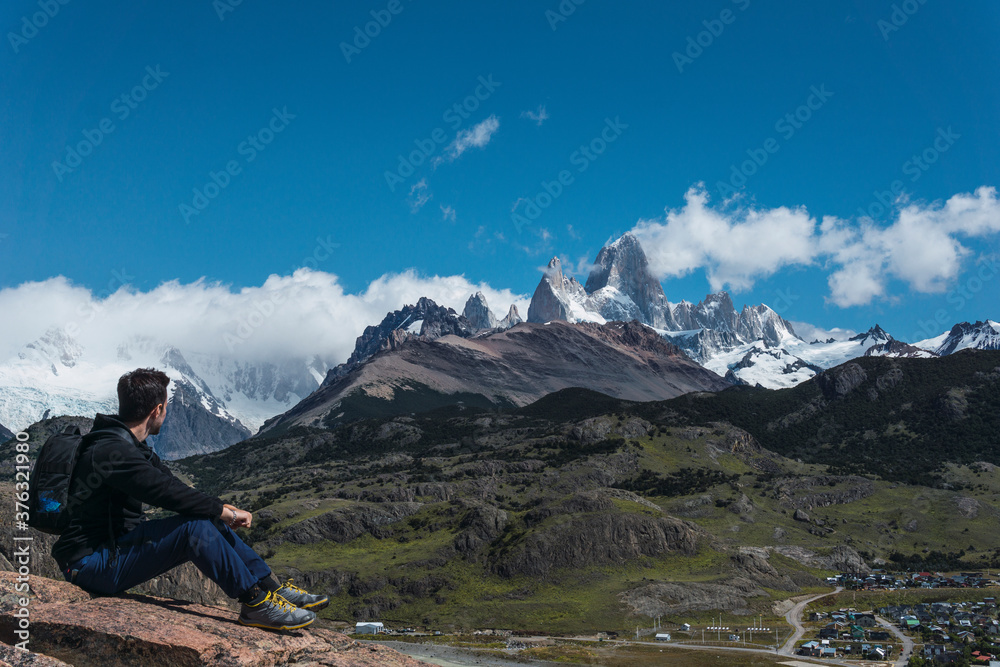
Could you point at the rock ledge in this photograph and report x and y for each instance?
(68, 625)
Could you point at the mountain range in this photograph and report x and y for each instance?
(754, 346)
(415, 358)
(504, 368)
(214, 401)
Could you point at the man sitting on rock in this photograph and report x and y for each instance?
(108, 547)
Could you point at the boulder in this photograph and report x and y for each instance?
(68, 624)
(15, 657)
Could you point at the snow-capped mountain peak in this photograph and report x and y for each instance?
(873, 336)
(963, 336)
(223, 399)
(55, 349)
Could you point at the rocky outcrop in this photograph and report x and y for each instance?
(479, 527)
(662, 598)
(478, 313)
(597, 539)
(841, 558)
(751, 563)
(842, 380)
(596, 429)
(15, 657)
(968, 508)
(344, 525)
(158, 632)
(743, 507)
(747, 449)
(822, 491)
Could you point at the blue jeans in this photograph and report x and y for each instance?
(153, 547)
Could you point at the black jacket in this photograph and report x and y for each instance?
(112, 479)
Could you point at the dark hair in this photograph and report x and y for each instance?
(139, 392)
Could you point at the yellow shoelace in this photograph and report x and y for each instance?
(281, 602)
(288, 584)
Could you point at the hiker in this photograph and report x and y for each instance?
(108, 547)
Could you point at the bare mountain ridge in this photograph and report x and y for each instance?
(425, 319)
(506, 368)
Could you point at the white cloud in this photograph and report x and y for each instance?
(539, 116)
(447, 213)
(809, 332)
(735, 249)
(921, 247)
(419, 195)
(305, 314)
(476, 137)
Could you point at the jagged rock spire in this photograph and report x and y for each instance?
(478, 313)
(553, 298)
(622, 266)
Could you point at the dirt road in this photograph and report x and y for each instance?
(794, 618)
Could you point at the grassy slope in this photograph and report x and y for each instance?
(586, 600)
(334, 469)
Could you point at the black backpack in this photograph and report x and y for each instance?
(49, 484)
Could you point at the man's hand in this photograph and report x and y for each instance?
(236, 518)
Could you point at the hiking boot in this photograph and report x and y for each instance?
(301, 598)
(275, 613)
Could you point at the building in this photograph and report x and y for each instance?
(370, 628)
(662, 636)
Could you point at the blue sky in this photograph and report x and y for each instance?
(833, 100)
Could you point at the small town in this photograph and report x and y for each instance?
(942, 632)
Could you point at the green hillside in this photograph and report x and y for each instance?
(900, 419)
(583, 512)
